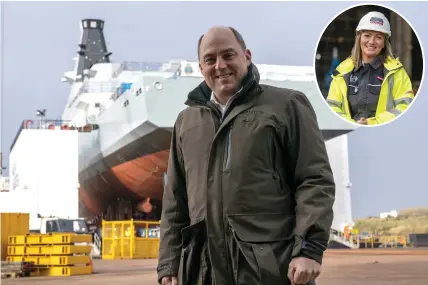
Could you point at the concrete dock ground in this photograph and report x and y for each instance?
(350, 267)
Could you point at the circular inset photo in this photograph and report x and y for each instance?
(369, 64)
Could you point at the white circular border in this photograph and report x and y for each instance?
(423, 64)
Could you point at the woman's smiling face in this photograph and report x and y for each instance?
(371, 44)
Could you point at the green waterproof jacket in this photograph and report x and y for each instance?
(395, 96)
(245, 191)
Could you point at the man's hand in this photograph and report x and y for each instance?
(168, 280)
(362, 121)
(302, 270)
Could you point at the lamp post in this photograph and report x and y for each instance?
(42, 114)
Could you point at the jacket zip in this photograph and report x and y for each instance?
(390, 73)
(220, 116)
(276, 175)
(228, 148)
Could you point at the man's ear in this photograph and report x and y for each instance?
(248, 56)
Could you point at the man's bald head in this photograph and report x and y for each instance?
(223, 60)
(235, 33)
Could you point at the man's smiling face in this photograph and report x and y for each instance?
(222, 61)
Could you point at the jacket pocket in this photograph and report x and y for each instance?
(256, 236)
(263, 227)
(193, 260)
(374, 89)
(259, 266)
(263, 244)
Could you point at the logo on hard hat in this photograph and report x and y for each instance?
(376, 21)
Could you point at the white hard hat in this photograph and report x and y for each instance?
(374, 21)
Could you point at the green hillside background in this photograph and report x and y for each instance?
(412, 220)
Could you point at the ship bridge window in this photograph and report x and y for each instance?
(85, 24)
(93, 24)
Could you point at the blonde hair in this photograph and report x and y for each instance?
(356, 50)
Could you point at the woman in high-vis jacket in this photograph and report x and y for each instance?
(371, 87)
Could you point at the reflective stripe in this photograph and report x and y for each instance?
(335, 103)
(395, 112)
(390, 103)
(403, 101)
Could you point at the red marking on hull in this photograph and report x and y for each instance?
(135, 180)
(143, 175)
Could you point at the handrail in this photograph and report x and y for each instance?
(41, 124)
(98, 86)
(141, 66)
(265, 70)
(183, 68)
(350, 242)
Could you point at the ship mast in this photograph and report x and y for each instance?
(92, 47)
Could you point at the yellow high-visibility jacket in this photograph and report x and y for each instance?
(395, 96)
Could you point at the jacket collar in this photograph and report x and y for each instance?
(202, 93)
(375, 63)
(347, 66)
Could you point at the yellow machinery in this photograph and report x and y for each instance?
(53, 254)
(12, 224)
(130, 239)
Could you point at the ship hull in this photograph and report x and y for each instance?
(136, 179)
(132, 181)
(125, 158)
(132, 173)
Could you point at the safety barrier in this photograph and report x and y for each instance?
(130, 239)
(384, 241)
(352, 240)
(346, 241)
(53, 254)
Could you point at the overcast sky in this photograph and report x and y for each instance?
(388, 164)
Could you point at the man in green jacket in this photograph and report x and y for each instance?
(249, 192)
